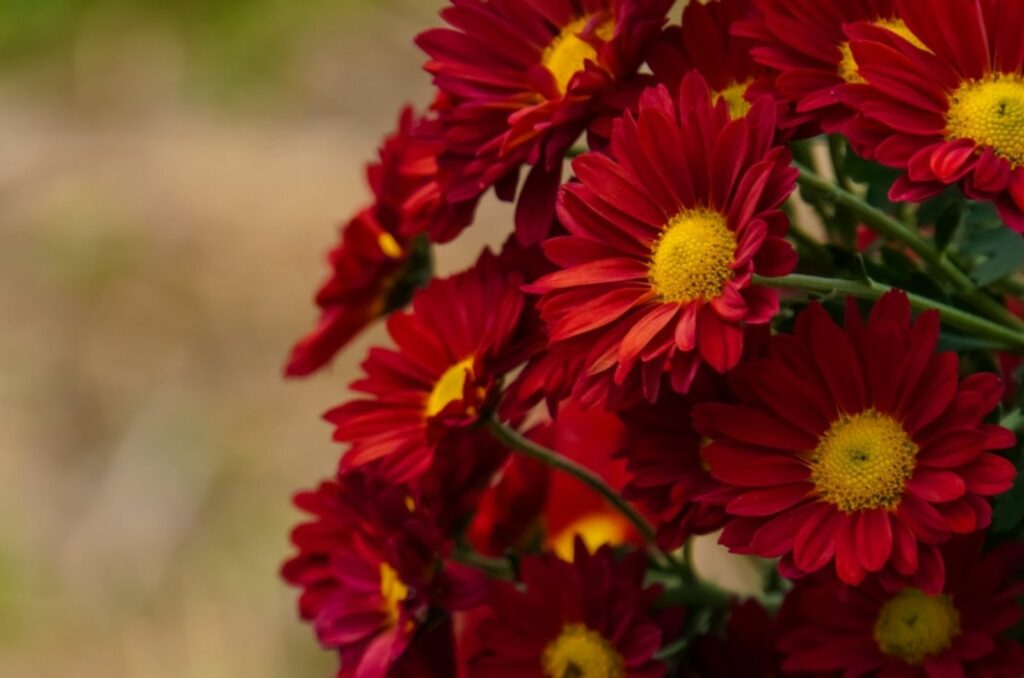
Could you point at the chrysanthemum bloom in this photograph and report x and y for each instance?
(459, 337)
(959, 631)
(953, 114)
(523, 80)
(372, 266)
(668, 474)
(664, 239)
(703, 42)
(370, 567)
(859, 447)
(804, 43)
(591, 617)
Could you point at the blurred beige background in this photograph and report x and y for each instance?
(171, 175)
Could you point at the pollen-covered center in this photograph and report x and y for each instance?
(568, 53)
(580, 652)
(848, 69)
(990, 112)
(692, 260)
(393, 591)
(389, 246)
(914, 626)
(450, 387)
(735, 98)
(863, 462)
(595, 529)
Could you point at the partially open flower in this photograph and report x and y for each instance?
(375, 267)
(860, 448)
(665, 237)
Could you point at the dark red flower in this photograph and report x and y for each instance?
(590, 617)
(372, 265)
(804, 43)
(704, 43)
(746, 648)
(952, 113)
(869, 630)
(461, 335)
(669, 477)
(523, 79)
(371, 566)
(859, 447)
(665, 237)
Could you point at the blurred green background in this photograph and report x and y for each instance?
(171, 175)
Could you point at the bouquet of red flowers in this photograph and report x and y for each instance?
(763, 282)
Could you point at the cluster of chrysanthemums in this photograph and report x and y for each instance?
(676, 341)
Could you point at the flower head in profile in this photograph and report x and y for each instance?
(804, 44)
(871, 630)
(460, 336)
(861, 449)
(668, 476)
(371, 564)
(665, 235)
(949, 108)
(588, 617)
(376, 265)
(522, 79)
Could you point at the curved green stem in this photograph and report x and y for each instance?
(897, 230)
(518, 442)
(955, 317)
(496, 568)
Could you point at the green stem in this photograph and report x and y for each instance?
(952, 316)
(496, 568)
(516, 441)
(895, 229)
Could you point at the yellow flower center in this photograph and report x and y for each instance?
(692, 260)
(450, 387)
(393, 591)
(863, 462)
(596, 529)
(389, 246)
(580, 652)
(990, 112)
(914, 625)
(848, 69)
(734, 98)
(567, 54)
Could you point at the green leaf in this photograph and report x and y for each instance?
(1000, 251)
(948, 223)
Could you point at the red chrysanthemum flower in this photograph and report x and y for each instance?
(860, 447)
(460, 336)
(703, 42)
(908, 633)
(664, 239)
(530, 505)
(523, 79)
(804, 43)
(371, 565)
(372, 265)
(590, 617)
(669, 478)
(952, 113)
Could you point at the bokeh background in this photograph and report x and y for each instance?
(171, 175)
